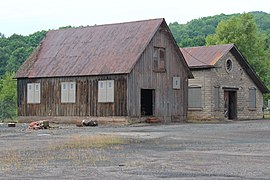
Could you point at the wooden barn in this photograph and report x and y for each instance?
(224, 86)
(123, 71)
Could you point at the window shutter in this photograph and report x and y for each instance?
(72, 92)
(110, 91)
(161, 59)
(252, 98)
(216, 98)
(64, 92)
(30, 93)
(194, 97)
(37, 93)
(102, 86)
(155, 57)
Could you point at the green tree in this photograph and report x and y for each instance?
(8, 96)
(34, 39)
(242, 31)
(17, 57)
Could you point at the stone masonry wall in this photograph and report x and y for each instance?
(208, 79)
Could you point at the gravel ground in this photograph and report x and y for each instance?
(234, 150)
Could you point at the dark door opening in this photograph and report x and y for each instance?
(147, 102)
(230, 104)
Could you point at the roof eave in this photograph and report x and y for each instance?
(249, 70)
(202, 67)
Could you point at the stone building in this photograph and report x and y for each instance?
(224, 86)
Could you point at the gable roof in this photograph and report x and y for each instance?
(93, 50)
(205, 56)
(208, 56)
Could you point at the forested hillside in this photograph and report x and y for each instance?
(194, 32)
(250, 32)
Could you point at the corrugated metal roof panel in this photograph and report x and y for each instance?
(95, 50)
(205, 55)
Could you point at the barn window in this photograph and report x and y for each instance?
(106, 91)
(68, 92)
(176, 82)
(194, 97)
(159, 59)
(33, 93)
(216, 97)
(252, 98)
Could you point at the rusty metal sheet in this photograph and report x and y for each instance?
(93, 50)
(205, 55)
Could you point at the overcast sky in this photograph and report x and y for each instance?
(28, 16)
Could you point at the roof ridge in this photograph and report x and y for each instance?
(109, 24)
(230, 44)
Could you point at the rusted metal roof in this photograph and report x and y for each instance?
(94, 50)
(207, 56)
(203, 56)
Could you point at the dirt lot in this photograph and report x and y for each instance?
(235, 150)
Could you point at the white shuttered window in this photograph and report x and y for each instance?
(33, 93)
(72, 92)
(68, 92)
(102, 91)
(110, 91)
(106, 91)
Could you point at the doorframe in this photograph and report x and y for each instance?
(230, 111)
(153, 101)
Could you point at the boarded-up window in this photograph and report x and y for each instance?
(216, 97)
(106, 91)
(159, 57)
(68, 92)
(33, 93)
(252, 98)
(155, 57)
(194, 97)
(176, 82)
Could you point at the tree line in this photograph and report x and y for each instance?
(250, 32)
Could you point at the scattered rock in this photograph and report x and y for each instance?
(86, 123)
(44, 124)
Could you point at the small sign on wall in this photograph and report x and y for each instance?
(176, 83)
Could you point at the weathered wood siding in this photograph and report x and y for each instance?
(86, 97)
(170, 104)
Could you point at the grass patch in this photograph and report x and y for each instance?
(81, 150)
(96, 141)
